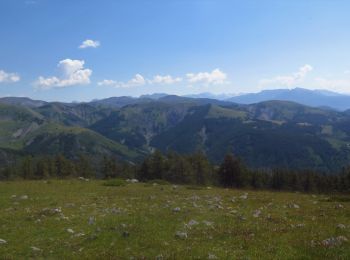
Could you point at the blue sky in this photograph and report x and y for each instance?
(179, 47)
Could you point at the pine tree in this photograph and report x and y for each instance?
(231, 172)
(201, 168)
(42, 169)
(84, 168)
(27, 168)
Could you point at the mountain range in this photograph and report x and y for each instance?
(315, 98)
(272, 133)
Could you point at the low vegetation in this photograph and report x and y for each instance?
(85, 219)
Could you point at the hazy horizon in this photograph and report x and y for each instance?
(81, 51)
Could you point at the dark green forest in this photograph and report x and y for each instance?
(194, 169)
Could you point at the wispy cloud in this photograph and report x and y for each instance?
(167, 79)
(89, 44)
(136, 81)
(72, 73)
(139, 80)
(287, 80)
(9, 77)
(214, 77)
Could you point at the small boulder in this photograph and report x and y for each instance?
(181, 235)
(36, 249)
(91, 220)
(24, 197)
(192, 222)
(212, 256)
(256, 213)
(341, 226)
(177, 209)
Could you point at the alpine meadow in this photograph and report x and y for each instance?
(184, 129)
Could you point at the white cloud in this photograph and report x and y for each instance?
(73, 73)
(8, 77)
(89, 44)
(107, 82)
(208, 78)
(139, 80)
(167, 79)
(214, 77)
(136, 81)
(288, 80)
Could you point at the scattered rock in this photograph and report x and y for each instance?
(83, 179)
(2, 241)
(192, 223)
(125, 234)
(177, 209)
(50, 212)
(256, 213)
(341, 226)
(244, 196)
(69, 230)
(334, 241)
(132, 180)
(181, 235)
(212, 256)
(34, 248)
(116, 210)
(339, 206)
(293, 205)
(159, 257)
(24, 197)
(91, 220)
(207, 223)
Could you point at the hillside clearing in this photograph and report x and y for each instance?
(87, 219)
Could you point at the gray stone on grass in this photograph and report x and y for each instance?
(341, 226)
(91, 220)
(181, 235)
(192, 222)
(24, 197)
(212, 256)
(334, 241)
(256, 213)
(36, 249)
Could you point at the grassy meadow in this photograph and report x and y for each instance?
(76, 219)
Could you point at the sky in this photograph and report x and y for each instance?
(64, 50)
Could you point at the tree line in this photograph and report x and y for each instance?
(194, 169)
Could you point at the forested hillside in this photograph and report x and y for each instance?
(264, 135)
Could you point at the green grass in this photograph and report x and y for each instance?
(138, 220)
(115, 183)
